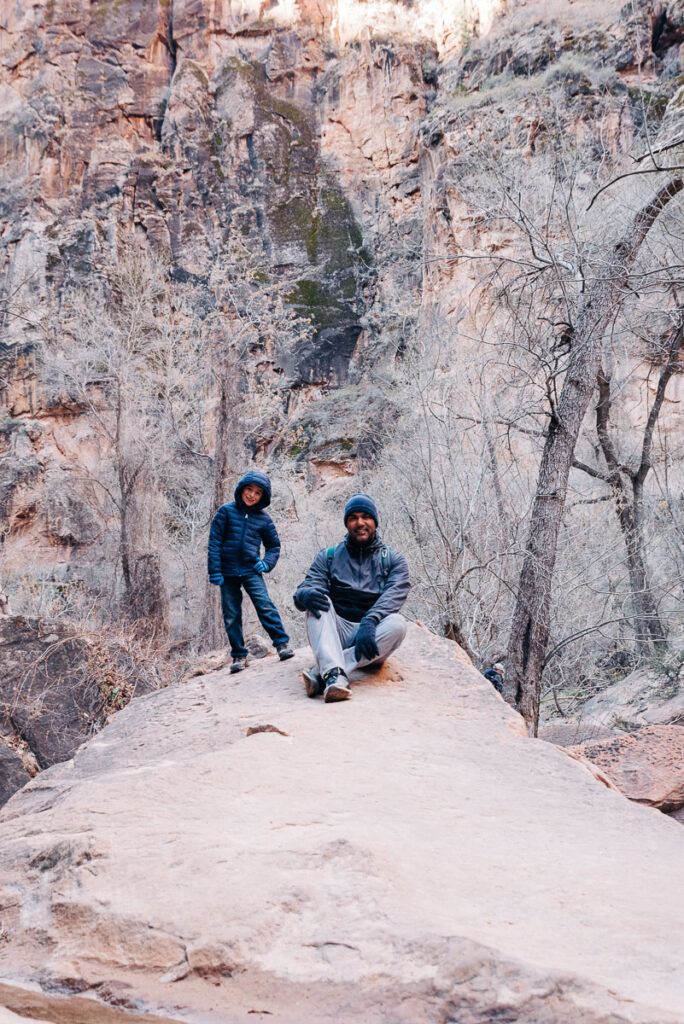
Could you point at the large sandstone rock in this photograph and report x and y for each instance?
(647, 766)
(228, 847)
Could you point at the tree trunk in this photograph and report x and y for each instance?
(453, 631)
(125, 542)
(648, 628)
(228, 437)
(149, 603)
(530, 625)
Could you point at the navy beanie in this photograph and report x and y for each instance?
(361, 503)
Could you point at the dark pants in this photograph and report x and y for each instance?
(231, 605)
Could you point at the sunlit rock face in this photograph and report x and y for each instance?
(445, 23)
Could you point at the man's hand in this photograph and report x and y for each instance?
(261, 566)
(314, 601)
(216, 578)
(365, 646)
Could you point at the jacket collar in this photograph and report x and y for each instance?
(357, 549)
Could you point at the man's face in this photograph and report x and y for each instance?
(252, 494)
(361, 527)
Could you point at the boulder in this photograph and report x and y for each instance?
(47, 694)
(69, 519)
(318, 432)
(13, 774)
(647, 766)
(58, 684)
(642, 698)
(229, 848)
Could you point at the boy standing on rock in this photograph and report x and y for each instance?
(234, 562)
(351, 595)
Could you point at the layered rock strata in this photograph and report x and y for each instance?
(323, 133)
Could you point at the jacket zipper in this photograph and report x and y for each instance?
(242, 535)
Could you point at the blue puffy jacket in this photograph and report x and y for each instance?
(238, 531)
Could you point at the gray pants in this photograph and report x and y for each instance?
(332, 640)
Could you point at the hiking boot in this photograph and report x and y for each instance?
(284, 652)
(238, 665)
(336, 686)
(313, 681)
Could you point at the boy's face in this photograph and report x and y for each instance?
(252, 494)
(361, 527)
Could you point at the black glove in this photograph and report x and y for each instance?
(311, 600)
(365, 645)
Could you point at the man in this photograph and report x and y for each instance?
(351, 596)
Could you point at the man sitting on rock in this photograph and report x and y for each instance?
(351, 595)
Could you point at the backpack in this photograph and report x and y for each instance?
(385, 564)
(495, 679)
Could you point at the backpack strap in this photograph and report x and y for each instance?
(330, 554)
(385, 564)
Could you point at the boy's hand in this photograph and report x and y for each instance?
(261, 566)
(311, 600)
(216, 578)
(365, 645)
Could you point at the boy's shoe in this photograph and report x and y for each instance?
(313, 681)
(238, 664)
(336, 686)
(284, 652)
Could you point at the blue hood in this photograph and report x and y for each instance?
(261, 480)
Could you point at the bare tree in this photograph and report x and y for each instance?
(530, 625)
(549, 288)
(127, 361)
(627, 482)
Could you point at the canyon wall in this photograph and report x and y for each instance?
(326, 137)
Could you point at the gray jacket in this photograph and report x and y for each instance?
(354, 580)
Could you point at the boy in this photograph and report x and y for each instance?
(234, 561)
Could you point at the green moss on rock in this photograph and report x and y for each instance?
(312, 300)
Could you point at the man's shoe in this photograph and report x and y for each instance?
(336, 686)
(284, 652)
(313, 681)
(238, 664)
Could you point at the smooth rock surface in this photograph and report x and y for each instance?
(228, 847)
